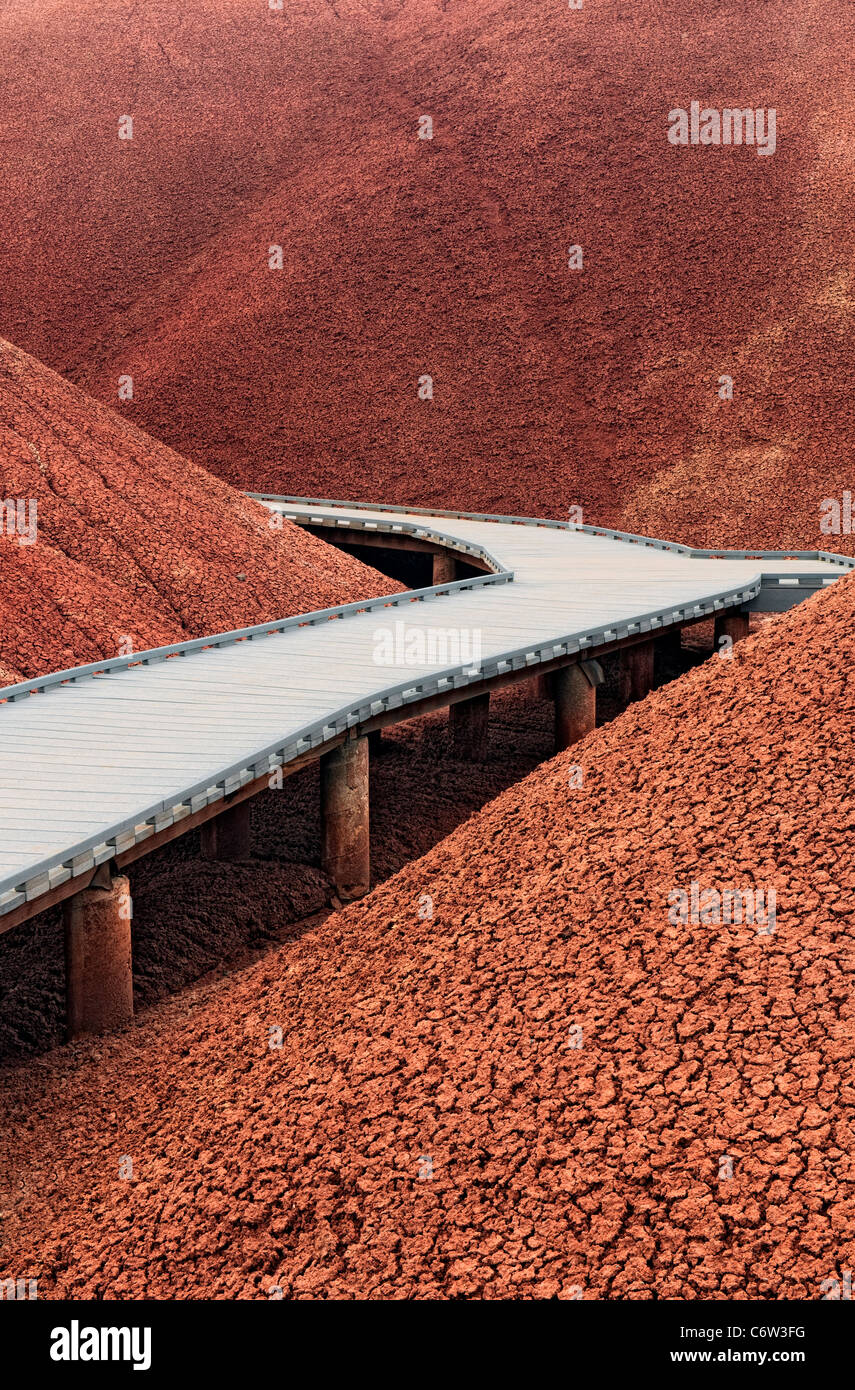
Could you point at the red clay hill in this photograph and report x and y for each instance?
(405, 258)
(543, 1086)
(134, 546)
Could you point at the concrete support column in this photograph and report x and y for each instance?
(444, 568)
(732, 625)
(470, 722)
(574, 689)
(227, 835)
(345, 842)
(636, 673)
(98, 979)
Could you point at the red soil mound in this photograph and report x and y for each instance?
(405, 257)
(547, 1088)
(134, 546)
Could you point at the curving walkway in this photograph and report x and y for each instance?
(103, 761)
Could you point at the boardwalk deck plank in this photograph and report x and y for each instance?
(104, 751)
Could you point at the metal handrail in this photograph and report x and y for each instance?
(831, 556)
(500, 575)
(231, 778)
(103, 845)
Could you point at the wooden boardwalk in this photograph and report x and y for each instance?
(102, 759)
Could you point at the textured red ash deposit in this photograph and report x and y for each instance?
(136, 546)
(555, 1168)
(449, 257)
(416, 1045)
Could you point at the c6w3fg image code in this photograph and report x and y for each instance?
(666, 1340)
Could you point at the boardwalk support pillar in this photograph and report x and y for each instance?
(227, 835)
(734, 626)
(345, 848)
(636, 671)
(444, 568)
(574, 689)
(470, 722)
(98, 976)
